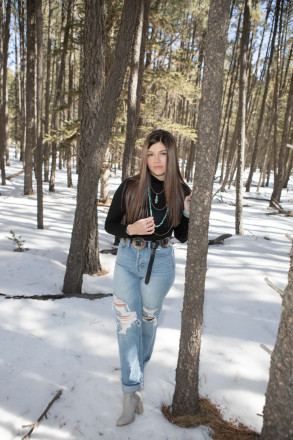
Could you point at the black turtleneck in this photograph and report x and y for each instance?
(158, 205)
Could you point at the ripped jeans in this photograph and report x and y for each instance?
(138, 305)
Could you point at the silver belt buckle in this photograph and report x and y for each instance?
(138, 243)
(165, 242)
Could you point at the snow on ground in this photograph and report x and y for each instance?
(71, 344)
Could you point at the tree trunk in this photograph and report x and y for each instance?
(96, 125)
(47, 94)
(80, 104)
(280, 175)
(92, 264)
(4, 98)
(39, 152)
(264, 98)
(104, 177)
(267, 148)
(186, 399)
(58, 91)
(232, 150)
(288, 168)
(278, 409)
(30, 99)
(22, 79)
(16, 91)
(242, 105)
(134, 87)
(190, 162)
(254, 97)
(253, 79)
(92, 259)
(70, 116)
(228, 154)
(231, 77)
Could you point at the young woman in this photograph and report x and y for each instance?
(145, 211)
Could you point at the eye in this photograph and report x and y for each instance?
(150, 154)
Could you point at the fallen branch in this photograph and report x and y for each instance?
(14, 175)
(281, 211)
(104, 202)
(275, 204)
(243, 206)
(217, 192)
(256, 198)
(35, 425)
(275, 288)
(89, 296)
(220, 239)
(112, 251)
(266, 349)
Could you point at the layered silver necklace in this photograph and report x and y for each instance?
(157, 194)
(156, 200)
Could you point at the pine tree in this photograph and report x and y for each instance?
(186, 398)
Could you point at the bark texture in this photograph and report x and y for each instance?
(242, 106)
(186, 399)
(58, 91)
(134, 88)
(264, 99)
(47, 94)
(95, 139)
(21, 25)
(39, 151)
(5, 23)
(30, 99)
(278, 410)
(281, 174)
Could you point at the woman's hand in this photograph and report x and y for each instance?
(187, 203)
(144, 226)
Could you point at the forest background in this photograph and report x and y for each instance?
(170, 91)
(82, 84)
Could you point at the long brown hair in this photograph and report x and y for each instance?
(136, 188)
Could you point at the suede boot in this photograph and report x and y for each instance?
(132, 403)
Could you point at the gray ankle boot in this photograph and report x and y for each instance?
(132, 403)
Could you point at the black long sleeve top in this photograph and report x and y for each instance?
(117, 210)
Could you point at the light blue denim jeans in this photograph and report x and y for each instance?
(138, 305)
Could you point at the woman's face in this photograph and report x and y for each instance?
(157, 160)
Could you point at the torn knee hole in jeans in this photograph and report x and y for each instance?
(125, 318)
(148, 315)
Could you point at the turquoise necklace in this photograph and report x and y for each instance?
(151, 211)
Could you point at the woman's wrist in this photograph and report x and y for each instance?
(185, 213)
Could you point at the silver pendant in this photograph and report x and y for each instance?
(156, 199)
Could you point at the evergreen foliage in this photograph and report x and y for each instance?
(172, 79)
(18, 242)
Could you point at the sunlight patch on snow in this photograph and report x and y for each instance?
(11, 427)
(52, 433)
(235, 358)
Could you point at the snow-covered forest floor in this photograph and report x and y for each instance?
(70, 344)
